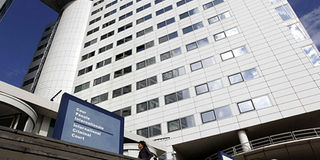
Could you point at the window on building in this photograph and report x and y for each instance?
(227, 33)
(110, 13)
(123, 112)
(173, 73)
(145, 46)
(182, 2)
(144, 32)
(103, 63)
(236, 78)
(192, 27)
(147, 105)
(164, 10)
(150, 131)
(158, 1)
(250, 74)
(166, 22)
(170, 54)
(234, 53)
(126, 5)
(254, 104)
(211, 4)
(107, 35)
(99, 98)
(85, 70)
(87, 44)
(111, 3)
(189, 13)
(27, 82)
(219, 17)
(98, 2)
(143, 19)
(197, 44)
(223, 112)
(95, 20)
(296, 31)
(208, 116)
(147, 82)
(33, 69)
(101, 79)
(121, 91)
(261, 102)
(177, 96)
(285, 12)
(122, 72)
(182, 123)
(168, 37)
(146, 63)
(37, 57)
(312, 55)
(105, 48)
(81, 87)
(96, 11)
(204, 63)
(93, 31)
(124, 55)
(124, 40)
(125, 16)
(143, 7)
(109, 23)
(87, 56)
(210, 86)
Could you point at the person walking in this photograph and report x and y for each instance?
(144, 152)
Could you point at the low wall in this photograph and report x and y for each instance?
(18, 145)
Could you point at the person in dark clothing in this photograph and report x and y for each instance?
(144, 153)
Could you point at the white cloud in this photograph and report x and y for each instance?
(311, 22)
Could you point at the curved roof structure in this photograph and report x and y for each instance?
(56, 5)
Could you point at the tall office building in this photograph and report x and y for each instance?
(196, 75)
(4, 6)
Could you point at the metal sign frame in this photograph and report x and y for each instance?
(62, 113)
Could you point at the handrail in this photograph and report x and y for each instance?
(270, 140)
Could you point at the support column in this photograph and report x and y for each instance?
(29, 125)
(244, 140)
(60, 67)
(44, 126)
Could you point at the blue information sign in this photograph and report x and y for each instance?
(224, 156)
(85, 124)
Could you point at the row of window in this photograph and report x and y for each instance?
(179, 3)
(168, 8)
(185, 30)
(208, 116)
(204, 63)
(180, 95)
(178, 124)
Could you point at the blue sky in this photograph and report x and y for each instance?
(22, 26)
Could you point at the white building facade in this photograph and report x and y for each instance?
(181, 71)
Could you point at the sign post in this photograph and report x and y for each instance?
(85, 124)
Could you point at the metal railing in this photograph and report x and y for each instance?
(270, 140)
